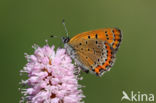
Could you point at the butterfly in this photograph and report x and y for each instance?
(94, 51)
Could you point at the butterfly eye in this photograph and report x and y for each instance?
(65, 39)
(88, 37)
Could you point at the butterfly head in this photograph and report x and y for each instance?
(65, 39)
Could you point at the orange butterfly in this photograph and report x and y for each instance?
(94, 50)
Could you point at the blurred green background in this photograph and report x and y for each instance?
(25, 22)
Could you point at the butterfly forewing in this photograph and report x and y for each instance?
(112, 35)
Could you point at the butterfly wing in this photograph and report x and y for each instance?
(112, 35)
(97, 55)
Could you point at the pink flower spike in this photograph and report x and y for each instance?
(51, 78)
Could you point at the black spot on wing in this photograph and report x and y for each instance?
(96, 36)
(98, 60)
(86, 42)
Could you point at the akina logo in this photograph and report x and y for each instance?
(137, 97)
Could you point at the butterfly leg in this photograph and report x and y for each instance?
(78, 69)
(87, 71)
(84, 70)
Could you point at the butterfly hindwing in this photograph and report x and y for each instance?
(97, 55)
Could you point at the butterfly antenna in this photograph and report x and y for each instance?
(53, 36)
(63, 22)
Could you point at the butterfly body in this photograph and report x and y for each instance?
(95, 50)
